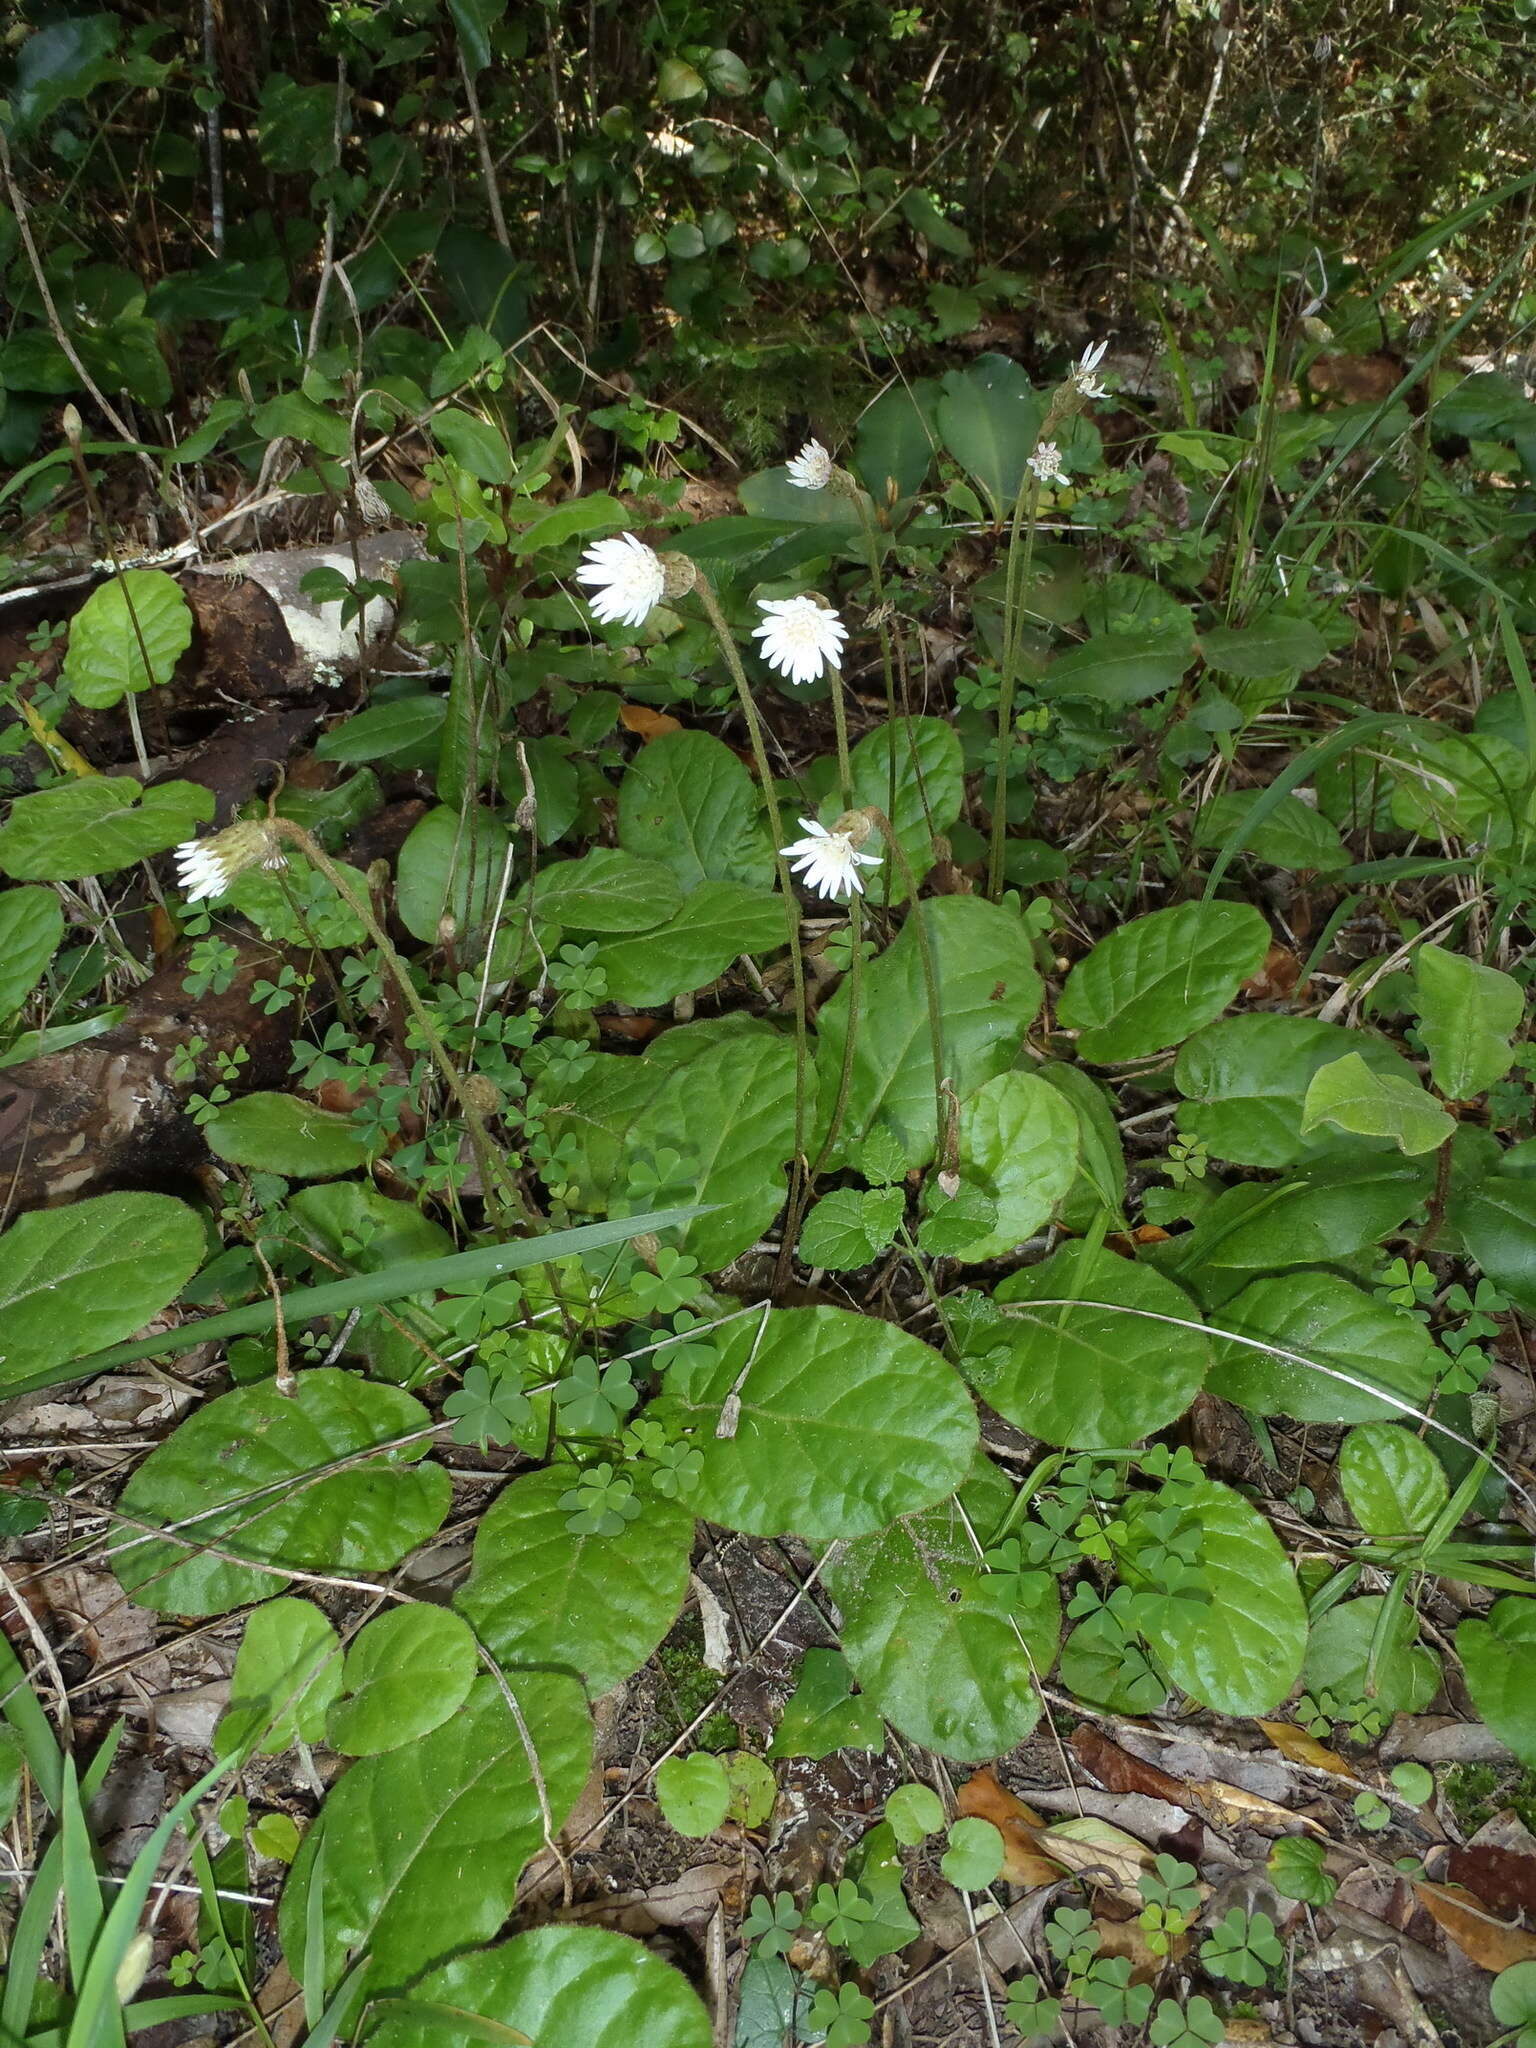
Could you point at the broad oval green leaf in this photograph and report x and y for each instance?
(251, 1474)
(1154, 981)
(593, 1605)
(608, 890)
(555, 1985)
(1274, 644)
(942, 1645)
(287, 1672)
(730, 1116)
(96, 825)
(694, 1793)
(401, 726)
(1019, 1138)
(989, 419)
(424, 1846)
(1289, 834)
(1087, 1376)
(74, 1280)
(1451, 786)
(989, 993)
(897, 440)
(1394, 1483)
(1350, 1095)
(1312, 1218)
(475, 444)
(285, 1134)
(1468, 1013)
(1499, 1657)
(1241, 1653)
(452, 865)
(1346, 1659)
(929, 772)
(127, 635)
(406, 1671)
(687, 801)
(1245, 1079)
(31, 926)
(718, 922)
(1117, 668)
(1496, 1217)
(844, 1423)
(1324, 1317)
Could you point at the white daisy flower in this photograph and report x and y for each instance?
(801, 637)
(828, 862)
(206, 868)
(626, 579)
(1083, 373)
(811, 469)
(199, 870)
(1046, 464)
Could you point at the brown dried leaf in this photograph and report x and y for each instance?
(1105, 1855)
(1499, 1878)
(649, 724)
(1023, 1863)
(1302, 1748)
(1118, 1771)
(1233, 1808)
(1491, 1944)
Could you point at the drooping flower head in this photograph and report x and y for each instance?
(828, 862)
(206, 868)
(801, 637)
(811, 469)
(1046, 464)
(1084, 371)
(626, 578)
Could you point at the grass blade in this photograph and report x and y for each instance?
(338, 1297)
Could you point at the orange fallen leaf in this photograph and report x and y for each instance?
(1302, 1748)
(1490, 1943)
(985, 1799)
(649, 724)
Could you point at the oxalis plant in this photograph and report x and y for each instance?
(862, 1251)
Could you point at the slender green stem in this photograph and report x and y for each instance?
(930, 978)
(494, 1178)
(1016, 582)
(850, 1040)
(754, 726)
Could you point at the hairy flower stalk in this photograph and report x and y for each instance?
(1042, 466)
(212, 864)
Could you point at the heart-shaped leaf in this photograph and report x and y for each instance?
(248, 1475)
(74, 1280)
(1157, 979)
(596, 1605)
(555, 1984)
(1087, 1375)
(1240, 1651)
(843, 1423)
(939, 1643)
(424, 1847)
(406, 1671)
(127, 635)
